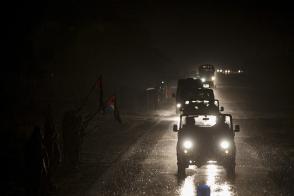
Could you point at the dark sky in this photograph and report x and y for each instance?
(222, 34)
(186, 33)
(146, 41)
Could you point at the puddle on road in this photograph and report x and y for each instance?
(212, 175)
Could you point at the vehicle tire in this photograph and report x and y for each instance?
(181, 166)
(181, 169)
(230, 169)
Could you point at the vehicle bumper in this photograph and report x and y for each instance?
(201, 158)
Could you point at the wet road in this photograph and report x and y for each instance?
(140, 158)
(149, 166)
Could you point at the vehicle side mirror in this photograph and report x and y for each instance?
(221, 109)
(175, 128)
(237, 128)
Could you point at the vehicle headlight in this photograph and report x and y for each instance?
(179, 105)
(224, 144)
(212, 78)
(205, 85)
(203, 79)
(187, 144)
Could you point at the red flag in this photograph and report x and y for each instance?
(111, 105)
(99, 82)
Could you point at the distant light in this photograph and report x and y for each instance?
(179, 105)
(221, 70)
(162, 82)
(229, 71)
(212, 78)
(205, 85)
(149, 89)
(187, 102)
(239, 71)
(203, 79)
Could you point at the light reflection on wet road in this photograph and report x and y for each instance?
(211, 175)
(149, 167)
(158, 170)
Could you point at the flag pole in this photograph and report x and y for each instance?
(85, 100)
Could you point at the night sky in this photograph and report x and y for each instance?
(72, 41)
(223, 34)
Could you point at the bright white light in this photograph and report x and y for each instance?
(229, 71)
(217, 186)
(187, 144)
(217, 70)
(187, 102)
(221, 70)
(188, 187)
(179, 105)
(205, 85)
(212, 172)
(225, 144)
(210, 122)
(212, 78)
(203, 79)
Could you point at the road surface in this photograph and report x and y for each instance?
(146, 165)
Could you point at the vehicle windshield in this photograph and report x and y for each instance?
(206, 70)
(200, 121)
(204, 94)
(196, 94)
(209, 68)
